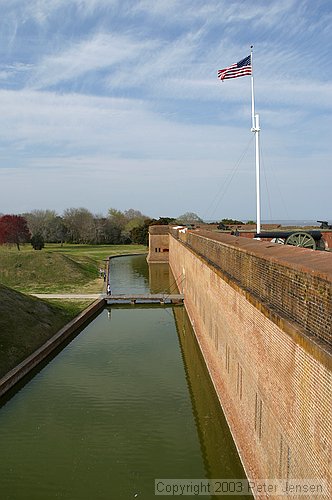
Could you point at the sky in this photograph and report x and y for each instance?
(116, 103)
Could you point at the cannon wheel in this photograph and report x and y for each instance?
(301, 239)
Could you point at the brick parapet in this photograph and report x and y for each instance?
(293, 282)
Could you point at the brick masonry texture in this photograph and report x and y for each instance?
(295, 283)
(274, 389)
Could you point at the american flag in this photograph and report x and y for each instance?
(242, 68)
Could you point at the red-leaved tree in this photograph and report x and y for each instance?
(14, 229)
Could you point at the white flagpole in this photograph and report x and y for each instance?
(258, 197)
(256, 129)
(252, 92)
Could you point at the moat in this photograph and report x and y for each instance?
(129, 400)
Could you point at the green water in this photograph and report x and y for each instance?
(127, 401)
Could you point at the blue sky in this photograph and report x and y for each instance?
(116, 103)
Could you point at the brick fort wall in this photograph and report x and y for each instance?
(262, 316)
(158, 244)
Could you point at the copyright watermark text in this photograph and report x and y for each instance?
(272, 487)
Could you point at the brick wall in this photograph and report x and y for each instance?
(272, 379)
(293, 282)
(327, 237)
(158, 244)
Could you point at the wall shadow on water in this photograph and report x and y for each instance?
(161, 279)
(218, 449)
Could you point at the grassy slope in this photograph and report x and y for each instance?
(26, 322)
(43, 272)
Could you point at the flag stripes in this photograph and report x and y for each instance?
(241, 68)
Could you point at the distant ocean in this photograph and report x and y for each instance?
(284, 222)
(298, 223)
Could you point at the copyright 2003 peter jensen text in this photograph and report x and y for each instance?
(273, 487)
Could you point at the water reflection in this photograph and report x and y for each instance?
(161, 279)
(218, 448)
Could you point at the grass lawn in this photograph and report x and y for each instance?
(58, 269)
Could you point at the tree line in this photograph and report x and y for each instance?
(79, 225)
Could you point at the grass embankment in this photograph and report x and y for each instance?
(27, 322)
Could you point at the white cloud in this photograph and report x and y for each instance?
(308, 95)
(160, 62)
(100, 52)
(41, 11)
(117, 127)
(217, 12)
(4, 75)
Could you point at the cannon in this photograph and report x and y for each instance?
(324, 224)
(305, 239)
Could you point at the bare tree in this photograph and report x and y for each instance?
(189, 218)
(43, 222)
(80, 224)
